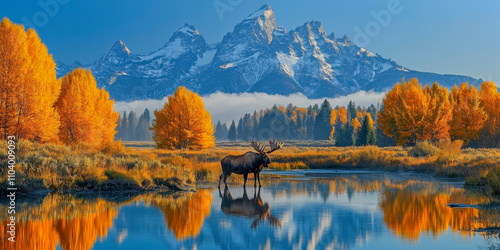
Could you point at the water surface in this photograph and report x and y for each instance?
(299, 210)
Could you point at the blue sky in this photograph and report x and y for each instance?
(435, 36)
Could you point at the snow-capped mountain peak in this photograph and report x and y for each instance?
(257, 56)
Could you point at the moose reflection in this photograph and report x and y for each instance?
(252, 208)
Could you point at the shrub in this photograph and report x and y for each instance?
(423, 149)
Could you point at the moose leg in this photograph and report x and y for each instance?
(220, 178)
(245, 176)
(255, 179)
(225, 180)
(258, 177)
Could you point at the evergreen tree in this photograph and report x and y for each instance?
(322, 126)
(224, 131)
(142, 131)
(231, 134)
(239, 129)
(123, 132)
(132, 124)
(218, 131)
(366, 134)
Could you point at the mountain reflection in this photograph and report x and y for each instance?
(252, 208)
(341, 211)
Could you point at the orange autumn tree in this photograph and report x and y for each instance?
(28, 86)
(489, 98)
(468, 115)
(414, 113)
(183, 122)
(87, 114)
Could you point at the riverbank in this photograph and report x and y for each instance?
(142, 167)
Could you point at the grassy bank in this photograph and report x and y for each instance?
(57, 167)
(140, 165)
(478, 167)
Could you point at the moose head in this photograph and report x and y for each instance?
(275, 145)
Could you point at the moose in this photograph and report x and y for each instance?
(251, 208)
(250, 162)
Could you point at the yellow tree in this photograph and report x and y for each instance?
(333, 120)
(183, 122)
(412, 113)
(28, 86)
(468, 115)
(490, 102)
(86, 111)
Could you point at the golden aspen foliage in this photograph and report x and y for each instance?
(87, 114)
(439, 115)
(356, 124)
(183, 122)
(28, 86)
(412, 113)
(490, 101)
(342, 113)
(333, 120)
(468, 115)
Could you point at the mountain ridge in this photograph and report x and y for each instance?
(256, 56)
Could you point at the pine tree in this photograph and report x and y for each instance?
(322, 127)
(183, 122)
(123, 132)
(218, 131)
(240, 130)
(142, 131)
(231, 134)
(132, 125)
(366, 134)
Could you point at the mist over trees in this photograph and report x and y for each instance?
(141, 128)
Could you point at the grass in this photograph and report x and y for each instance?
(60, 167)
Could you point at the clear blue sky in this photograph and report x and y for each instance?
(458, 37)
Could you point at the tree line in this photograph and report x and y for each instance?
(133, 128)
(409, 112)
(348, 126)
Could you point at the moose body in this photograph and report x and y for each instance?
(249, 162)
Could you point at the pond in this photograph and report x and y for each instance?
(319, 209)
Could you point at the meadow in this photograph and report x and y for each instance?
(140, 165)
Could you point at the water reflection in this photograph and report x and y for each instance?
(252, 208)
(72, 223)
(306, 212)
(411, 208)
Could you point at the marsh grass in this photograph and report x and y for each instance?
(60, 167)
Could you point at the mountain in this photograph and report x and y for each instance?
(257, 56)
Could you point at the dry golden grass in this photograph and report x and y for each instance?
(446, 159)
(59, 167)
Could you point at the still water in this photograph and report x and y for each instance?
(294, 210)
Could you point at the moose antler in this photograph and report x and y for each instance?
(259, 148)
(275, 145)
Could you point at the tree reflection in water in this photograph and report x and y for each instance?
(252, 208)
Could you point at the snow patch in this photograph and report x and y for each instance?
(171, 50)
(287, 62)
(226, 66)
